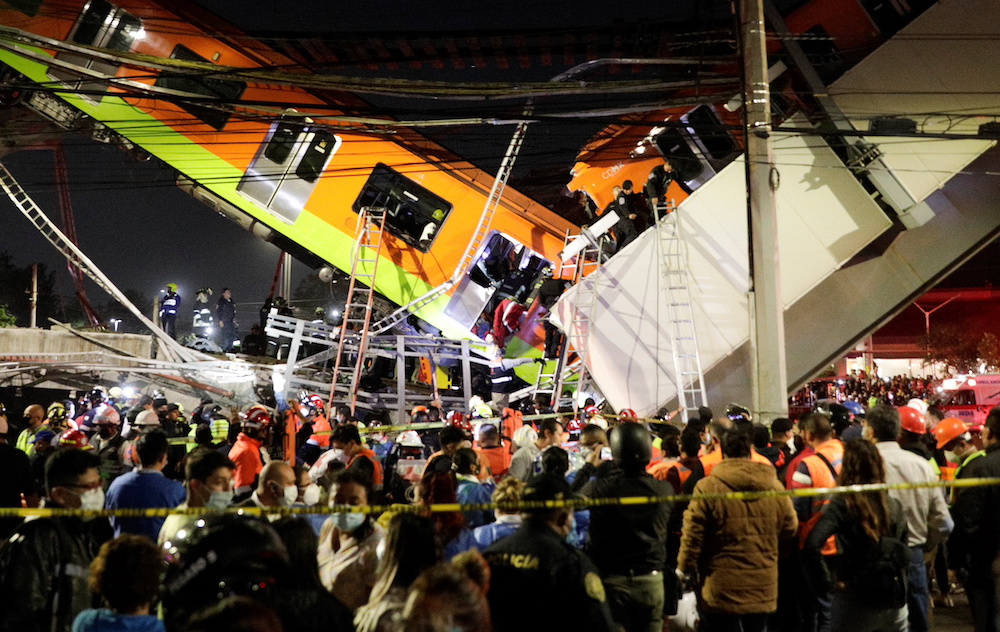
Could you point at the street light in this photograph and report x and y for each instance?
(115, 322)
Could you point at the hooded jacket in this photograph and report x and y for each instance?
(731, 546)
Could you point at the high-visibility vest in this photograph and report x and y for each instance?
(377, 475)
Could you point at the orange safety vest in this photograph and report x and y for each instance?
(377, 475)
(498, 459)
(821, 476)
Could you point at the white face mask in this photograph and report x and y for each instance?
(310, 497)
(219, 500)
(92, 499)
(348, 522)
(291, 494)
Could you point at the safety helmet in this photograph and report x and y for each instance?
(575, 425)
(840, 416)
(437, 215)
(57, 413)
(107, 416)
(279, 301)
(115, 392)
(410, 439)
(74, 439)
(919, 405)
(631, 446)
(218, 557)
(911, 420)
(207, 291)
(855, 408)
(147, 418)
(458, 420)
(417, 410)
(171, 287)
(524, 435)
(950, 429)
(257, 418)
(482, 411)
(97, 396)
(736, 411)
(627, 414)
(313, 403)
(209, 413)
(592, 411)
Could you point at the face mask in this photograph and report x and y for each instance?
(348, 522)
(92, 499)
(337, 454)
(951, 457)
(310, 497)
(105, 432)
(291, 494)
(219, 500)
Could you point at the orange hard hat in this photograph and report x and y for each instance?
(911, 420)
(948, 430)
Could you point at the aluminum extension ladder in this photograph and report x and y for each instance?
(569, 371)
(688, 375)
(356, 328)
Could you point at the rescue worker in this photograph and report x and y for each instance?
(312, 413)
(494, 451)
(203, 321)
(248, 453)
(537, 561)
(818, 470)
(507, 320)
(109, 445)
(169, 304)
(503, 379)
(34, 420)
(954, 438)
(226, 315)
(629, 543)
(974, 547)
(357, 456)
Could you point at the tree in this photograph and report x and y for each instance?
(15, 285)
(311, 293)
(954, 346)
(113, 310)
(6, 318)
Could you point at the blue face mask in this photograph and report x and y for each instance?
(348, 522)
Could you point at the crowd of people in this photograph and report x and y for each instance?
(390, 552)
(868, 390)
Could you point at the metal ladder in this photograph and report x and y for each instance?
(688, 375)
(477, 239)
(77, 258)
(567, 372)
(356, 327)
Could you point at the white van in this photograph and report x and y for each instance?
(972, 398)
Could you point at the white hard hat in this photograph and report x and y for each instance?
(147, 418)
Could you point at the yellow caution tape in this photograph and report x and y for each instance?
(575, 503)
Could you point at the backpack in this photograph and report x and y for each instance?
(882, 580)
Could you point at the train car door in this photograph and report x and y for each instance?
(287, 167)
(101, 24)
(503, 269)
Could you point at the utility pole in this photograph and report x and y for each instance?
(34, 296)
(767, 318)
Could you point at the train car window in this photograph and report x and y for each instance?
(413, 214)
(279, 148)
(128, 29)
(225, 90)
(714, 137)
(92, 23)
(319, 151)
(27, 7)
(674, 146)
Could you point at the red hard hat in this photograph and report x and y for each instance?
(628, 413)
(459, 420)
(74, 439)
(948, 430)
(575, 425)
(911, 420)
(256, 418)
(592, 411)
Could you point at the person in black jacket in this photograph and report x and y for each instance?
(629, 543)
(974, 547)
(225, 313)
(43, 567)
(537, 561)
